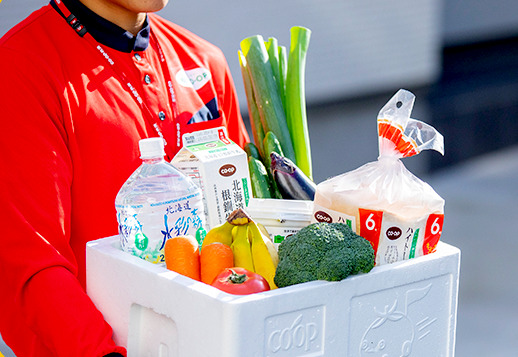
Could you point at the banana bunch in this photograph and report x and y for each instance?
(250, 243)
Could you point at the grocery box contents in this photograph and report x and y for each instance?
(292, 183)
(259, 260)
(323, 251)
(273, 78)
(382, 201)
(250, 245)
(407, 308)
(238, 244)
(219, 167)
(281, 218)
(157, 202)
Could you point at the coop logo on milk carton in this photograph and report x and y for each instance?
(227, 170)
(298, 333)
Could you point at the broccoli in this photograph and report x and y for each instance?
(323, 251)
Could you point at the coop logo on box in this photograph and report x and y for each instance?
(322, 216)
(227, 170)
(393, 233)
(297, 333)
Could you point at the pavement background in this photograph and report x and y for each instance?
(481, 217)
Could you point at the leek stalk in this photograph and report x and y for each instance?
(283, 67)
(296, 98)
(266, 92)
(253, 112)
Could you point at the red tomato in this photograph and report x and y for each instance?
(239, 281)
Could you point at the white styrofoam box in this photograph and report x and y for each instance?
(408, 308)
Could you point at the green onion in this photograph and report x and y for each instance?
(283, 67)
(253, 111)
(271, 144)
(266, 92)
(272, 46)
(296, 98)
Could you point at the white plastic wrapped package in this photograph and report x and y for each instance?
(400, 215)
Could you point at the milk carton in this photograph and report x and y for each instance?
(220, 168)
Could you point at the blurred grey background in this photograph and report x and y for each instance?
(460, 58)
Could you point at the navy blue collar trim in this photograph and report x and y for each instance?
(105, 32)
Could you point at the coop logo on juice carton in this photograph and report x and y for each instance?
(227, 170)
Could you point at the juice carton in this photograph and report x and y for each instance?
(220, 168)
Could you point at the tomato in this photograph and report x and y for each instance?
(240, 281)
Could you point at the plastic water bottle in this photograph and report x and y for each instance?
(156, 203)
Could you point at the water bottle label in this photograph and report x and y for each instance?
(144, 229)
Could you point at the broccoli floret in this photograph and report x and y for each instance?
(323, 251)
(336, 265)
(288, 272)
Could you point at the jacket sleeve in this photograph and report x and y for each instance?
(44, 310)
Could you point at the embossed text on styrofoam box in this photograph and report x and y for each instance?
(296, 333)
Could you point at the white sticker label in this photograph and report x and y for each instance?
(400, 239)
(195, 78)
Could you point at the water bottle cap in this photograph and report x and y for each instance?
(151, 148)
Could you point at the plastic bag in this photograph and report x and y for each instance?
(382, 201)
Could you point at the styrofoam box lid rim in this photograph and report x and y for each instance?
(109, 246)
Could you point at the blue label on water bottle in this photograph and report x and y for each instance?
(144, 229)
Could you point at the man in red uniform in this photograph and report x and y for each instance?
(82, 82)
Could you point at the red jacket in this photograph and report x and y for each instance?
(69, 139)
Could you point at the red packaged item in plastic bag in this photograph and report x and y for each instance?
(382, 201)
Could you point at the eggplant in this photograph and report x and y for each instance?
(292, 183)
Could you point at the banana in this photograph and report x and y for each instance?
(269, 244)
(272, 250)
(221, 234)
(250, 242)
(241, 248)
(263, 230)
(238, 217)
(263, 261)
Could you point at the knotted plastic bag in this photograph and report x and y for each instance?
(382, 201)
